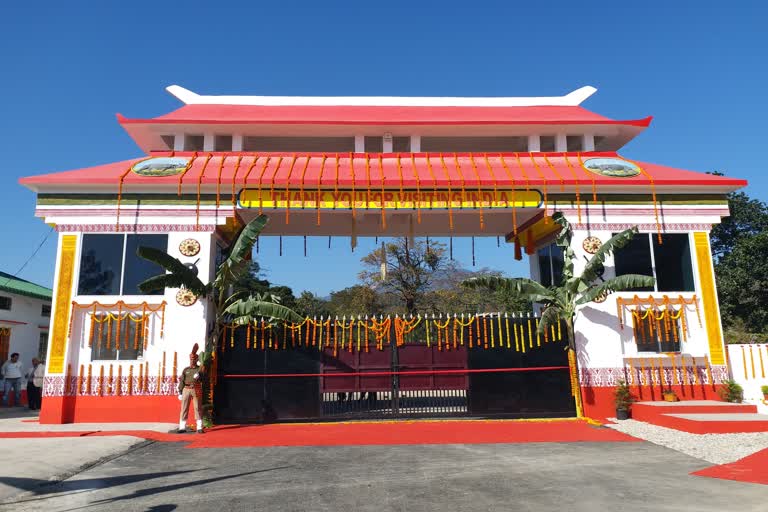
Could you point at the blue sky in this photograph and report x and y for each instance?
(67, 67)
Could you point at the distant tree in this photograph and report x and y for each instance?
(251, 283)
(448, 295)
(742, 281)
(748, 217)
(309, 304)
(356, 300)
(739, 246)
(411, 269)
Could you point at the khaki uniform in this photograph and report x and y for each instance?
(188, 391)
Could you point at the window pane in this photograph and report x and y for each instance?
(545, 271)
(111, 344)
(653, 335)
(100, 262)
(673, 263)
(550, 265)
(138, 269)
(635, 258)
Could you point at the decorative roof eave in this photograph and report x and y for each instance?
(384, 121)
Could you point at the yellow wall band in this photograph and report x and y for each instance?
(709, 297)
(265, 198)
(63, 297)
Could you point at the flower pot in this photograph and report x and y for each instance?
(670, 397)
(622, 414)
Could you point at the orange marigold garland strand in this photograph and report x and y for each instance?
(576, 181)
(479, 192)
(319, 184)
(512, 193)
(450, 193)
(543, 186)
(288, 192)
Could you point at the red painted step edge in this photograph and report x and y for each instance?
(649, 413)
(709, 427)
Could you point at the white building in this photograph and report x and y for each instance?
(25, 314)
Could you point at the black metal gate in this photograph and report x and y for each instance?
(275, 381)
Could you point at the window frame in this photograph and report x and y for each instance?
(43, 312)
(121, 287)
(677, 325)
(139, 350)
(10, 303)
(653, 264)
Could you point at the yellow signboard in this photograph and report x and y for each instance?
(393, 199)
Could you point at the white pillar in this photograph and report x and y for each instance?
(208, 142)
(359, 143)
(415, 143)
(534, 143)
(387, 143)
(561, 143)
(237, 142)
(588, 142)
(178, 142)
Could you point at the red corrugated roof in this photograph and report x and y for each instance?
(407, 170)
(380, 115)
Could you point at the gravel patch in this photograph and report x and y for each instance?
(714, 448)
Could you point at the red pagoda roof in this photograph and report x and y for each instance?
(412, 170)
(381, 115)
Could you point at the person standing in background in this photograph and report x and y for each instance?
(11, 371)
(35, 384)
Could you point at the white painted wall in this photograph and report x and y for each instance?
(25, 337)
(747, 370)
(183, 327)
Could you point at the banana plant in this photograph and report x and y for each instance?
(561, 301)
(227, 307)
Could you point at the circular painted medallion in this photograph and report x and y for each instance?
(611, 167)
(161, 166)
(185, 297)
(189, 247)
(591, 244)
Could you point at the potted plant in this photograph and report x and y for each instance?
(764, 389)
(623, 399)
(731, 391)
(669, 396)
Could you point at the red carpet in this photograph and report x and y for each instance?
(372, 433)
(752, 469)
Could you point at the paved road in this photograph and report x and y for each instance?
(536, 477)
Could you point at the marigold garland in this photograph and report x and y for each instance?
(512, 193)
(543, 185)
(287, 191)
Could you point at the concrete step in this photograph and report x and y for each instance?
(648, 411)
(714, 423)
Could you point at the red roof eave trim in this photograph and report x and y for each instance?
(643, 123)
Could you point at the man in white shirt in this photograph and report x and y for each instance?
(35, 384)
(11, 371)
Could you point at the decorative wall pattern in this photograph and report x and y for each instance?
(133, 228)
(63, 293)
(665, 227)
(106, 386)
(609, 377)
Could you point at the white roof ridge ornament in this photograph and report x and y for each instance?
(571, 99)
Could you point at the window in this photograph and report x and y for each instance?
(401, 144)
(109, 264)
(222, 143)
(42, 346)
(602, 143)
(669, 262)
(547, 143)
(374, 144)
(5, 303)
(304, 144)
(194, 142)
(474, 144)
(168, 141)
(574, 142)
(45, 310)
(109, 344)
(550, 265)
(654, 335)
